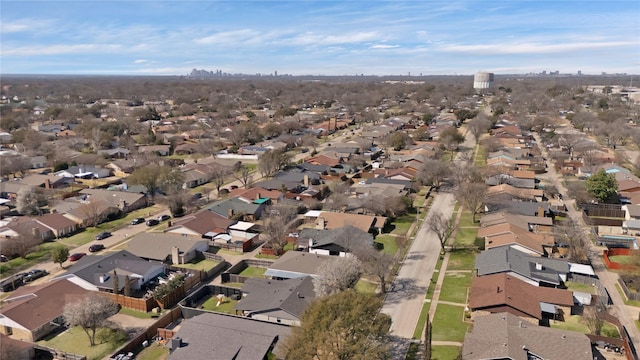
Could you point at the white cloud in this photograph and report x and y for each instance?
(59, 49)
(532, 48)
(228, 37)
(140, 61)
(310, 38)
(383, 46)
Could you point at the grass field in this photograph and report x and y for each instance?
(576, 323)
(447, 323)
(574, 286)
(226, 306)
(443, 352)
(623, 259)
(422, 321)
(253, 271)
(76, 341)
(465, 236)
(42, 254)
(466, 220)
(203, 265)
(135, 313)
(387, 243)
(462, 259)
(402, 224)
(624, 298)
(155, 351)
(454, 287)
(366, 287)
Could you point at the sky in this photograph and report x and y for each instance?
(119, 37)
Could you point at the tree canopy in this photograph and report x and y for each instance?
(346, 325)
(90, 314)
(602, 186)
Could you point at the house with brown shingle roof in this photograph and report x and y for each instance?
(257, 193)
(204, 223)
(333, 220)
(506, 336)
(506, 293)
(59, 224)
(32, 312)
(323, 160)
(507, 234)
(508, 192)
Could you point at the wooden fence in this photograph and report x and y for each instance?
(145, 335)
(232, 275)
(627, 292)
(59, 354)
(138, 304)
(629, 349)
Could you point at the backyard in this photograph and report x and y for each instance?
(226, 306)
(202, 265)
(577, 323)
(74, 340)
(253, 271)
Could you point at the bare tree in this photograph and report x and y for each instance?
(375, 263)
(276, 220)
(243, 174)
(472, 196)
(590, 317)
(336, 275)
(273, 161)
(434, 172)
(90, 314)
(92, 211)
(570, 234)
(218, 175)
(29, 200)
(443, 227)
(478, 126)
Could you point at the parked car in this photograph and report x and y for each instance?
(76, 256)
(164, 217)
(34, 274)
(96, 247)
(3, 258)
(103, 235)
(137, 221)
(152, 222)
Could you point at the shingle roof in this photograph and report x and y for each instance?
(296, 264)
(217, 336)
(498, 290)
(158, 246)
(235, 204)
(343, 236)
(363, 222)
(89, 268)
(506, 259)
(38, 305)
(202, 222)
(56, 221)
(506, 336)
(291, 296)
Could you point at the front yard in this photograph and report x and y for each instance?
(455, 287)
(462, 259)
(387, 243)
(74, 340)
(447, 323)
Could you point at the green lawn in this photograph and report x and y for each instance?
(226, 306)
(253, 271)
(76, 341)
(402, 224)
(135, 313)
(444, 352)
(447, 323)
(466, 220)
(574, 286)
(576, 323)
(622, 259)
(624, 297)
(422, 321)
(462, 259)
(155, 351)
(42, 254)
(465, 236)
(233, 285)
(387, 243)
(203, 265)
(454, 287)
(366, 287)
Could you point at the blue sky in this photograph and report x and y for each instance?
(318, 37)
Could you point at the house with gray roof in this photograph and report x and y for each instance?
(534, 270)
(279, 301)
(506, 336)
(339, 241)
(125, 201)
(168, 248)
(218, 336)
(230, 208)
(96, 271)
(296, 264)
(519, 207)
(84, 172)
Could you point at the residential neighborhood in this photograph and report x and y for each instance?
(475, 227)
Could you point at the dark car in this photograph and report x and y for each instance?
(96, 247)
(76, 256)
(103, 235)
(152, 222)
(137, 221)
(164, 217)
(34, 274)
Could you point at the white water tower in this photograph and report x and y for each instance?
(483, 81)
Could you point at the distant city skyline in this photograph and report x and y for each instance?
(319, 37)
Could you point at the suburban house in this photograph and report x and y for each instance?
(45, 181)
(520, 208)
(536, 224)
(629, 191)
(84, 172)
(32, 312)
(537, 271)
(631, 223)
(506, 192)
(234, 208)
(502, 292)
(279, 301)
(195, 175)
(95, 272)
(117, 153)
(59, 225)
(203, 224)
(123, 200)
(334, 220)
(506, 336)
(161, 150)
(122, 167)
(208, 335)
(167, 248)
(257, 194)
(85, 213)
(11, 229)
(17, 349)
(508, 234)
(333, 241)
(296, 264)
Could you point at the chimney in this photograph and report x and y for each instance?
(175, 255)
(540, 211)
(306, 180)
(230, 212)
(47, 184)
(538, 266)
(311, 242)
(104, 278)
